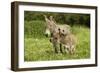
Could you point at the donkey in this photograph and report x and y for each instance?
(68, 40)
(51, 28)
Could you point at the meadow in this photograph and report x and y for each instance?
(38, 47)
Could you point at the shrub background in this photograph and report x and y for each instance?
(38, 47)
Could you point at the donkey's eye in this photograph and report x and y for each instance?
(59, 29)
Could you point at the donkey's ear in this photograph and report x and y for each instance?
(45, 16)
(51, 18)
(46, 19)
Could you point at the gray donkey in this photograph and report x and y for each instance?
(51, 28)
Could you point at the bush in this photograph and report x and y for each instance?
(34, 29)
(62, 18)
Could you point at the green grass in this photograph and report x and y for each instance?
(40, 49)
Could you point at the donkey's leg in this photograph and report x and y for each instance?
(55, 47)
(61, 48)
(73, 49)
(66, 48)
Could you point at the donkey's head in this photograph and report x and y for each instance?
(65, 30)
(49, 26)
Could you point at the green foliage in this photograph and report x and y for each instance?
(63, 18)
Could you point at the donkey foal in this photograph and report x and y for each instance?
(68, 40)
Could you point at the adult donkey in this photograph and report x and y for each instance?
(53, 27)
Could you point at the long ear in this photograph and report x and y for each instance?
(52, 20)
(46, 19)
(45, 16)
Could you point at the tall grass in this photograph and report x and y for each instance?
(39, 48)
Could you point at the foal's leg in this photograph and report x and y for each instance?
(73, 50)
(67, 49)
